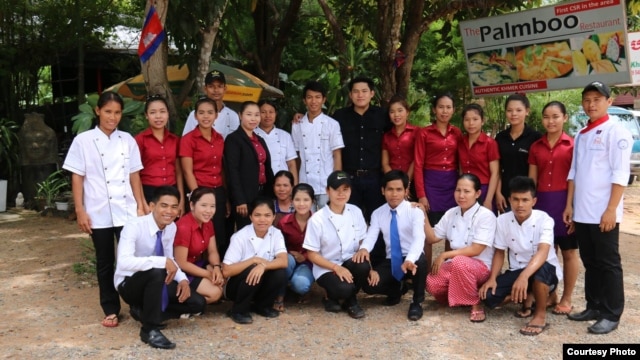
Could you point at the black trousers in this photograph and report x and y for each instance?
(603, 280)
(261, 295)
(342, 290)
(219, 221)
(103, 243)
(388, 285)
(144, 290)
(365, 193)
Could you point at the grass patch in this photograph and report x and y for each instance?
(87, 267)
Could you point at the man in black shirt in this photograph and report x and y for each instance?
(362, 126)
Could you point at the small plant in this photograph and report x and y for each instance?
(50, 189)
(86, 268)
(8, 146)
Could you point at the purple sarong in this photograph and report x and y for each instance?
(439, 187)
(553, 203)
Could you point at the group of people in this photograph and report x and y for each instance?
(353, 202)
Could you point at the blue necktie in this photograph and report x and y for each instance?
(396, 249)
(159, 251)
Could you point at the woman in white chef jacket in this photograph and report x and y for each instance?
(105, 180)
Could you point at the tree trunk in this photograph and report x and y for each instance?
(341, 44)
(154, 70)
(388, 37)
(208, 38)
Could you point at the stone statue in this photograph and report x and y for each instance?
(38, 142)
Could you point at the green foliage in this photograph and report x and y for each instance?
(86, 268)
(50, 188)
(133, 120)
(8, 146)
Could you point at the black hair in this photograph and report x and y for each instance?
(473, 107)
(434, 101)
(395, 175)
(314, 86)
(154, 98)
(518, 97)
(399, 99)
(246, 104)
(473, 178)
(558, 104)
(161, 191)
(109, 96)
(199, 193)
(268, 102)
(522, 184)
(304, 188)
(284, 173)
(361, 79)
(262, 200)
(206, 100)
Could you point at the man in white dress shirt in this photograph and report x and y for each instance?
(527, 235)
(410, 230)
(147, 277)
(215, 86)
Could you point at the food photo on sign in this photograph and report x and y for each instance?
(599, 53)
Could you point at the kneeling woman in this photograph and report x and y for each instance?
(255, 265)
(333, 236)
(470, 228)
(195, 247)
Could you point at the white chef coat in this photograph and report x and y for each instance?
(280, 147)
(245, 244)
(106, 162)
(315, 142)
(335, 236)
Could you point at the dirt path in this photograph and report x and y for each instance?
(49, 311)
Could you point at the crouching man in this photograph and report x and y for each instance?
(147, 277)
(533, 266)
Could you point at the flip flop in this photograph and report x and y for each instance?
(110, 320)
(542, 328)
(524, 312)
(477, 316)
(562, 310)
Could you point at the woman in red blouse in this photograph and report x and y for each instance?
(549, 163)
(436, 159)
(247, 164)
(194, 247)
(293, 227)
(398, 144)
(201, 158)
(159, 152)
(479, 154)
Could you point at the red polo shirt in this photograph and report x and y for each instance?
(293, 235)
(191, 236)
(476, 159)
(401, 147)
(553, 162)
(433, 151)
(206, 155)
(158, 158)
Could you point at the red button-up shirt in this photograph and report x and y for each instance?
(158, 158)
(262, 158)
(195, 238)
(401, 147)
(293, 235)
(206, 155)
(553, 163)
(476, 159)
(433, 151)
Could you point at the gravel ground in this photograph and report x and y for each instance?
(51, 312)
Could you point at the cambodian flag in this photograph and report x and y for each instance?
(152, 35)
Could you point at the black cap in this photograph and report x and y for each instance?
(599, 87)
(214, 75)
(338, 178)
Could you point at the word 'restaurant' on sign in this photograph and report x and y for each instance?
(549, 48)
